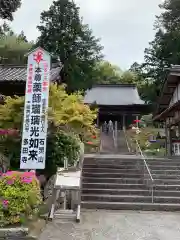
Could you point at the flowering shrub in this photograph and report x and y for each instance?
(20, 197)
(11, 132)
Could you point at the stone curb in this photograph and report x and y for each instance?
(13, 233)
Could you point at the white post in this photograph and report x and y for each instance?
(66, 163)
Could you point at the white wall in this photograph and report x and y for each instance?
(176, 95)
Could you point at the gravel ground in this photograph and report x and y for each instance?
(116, 225)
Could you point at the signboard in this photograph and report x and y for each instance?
(33, 149)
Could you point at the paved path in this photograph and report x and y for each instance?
(117, 225)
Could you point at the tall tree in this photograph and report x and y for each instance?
(8, 7)
(164, 50)
(63, 34)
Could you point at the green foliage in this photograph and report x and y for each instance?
(143, 137)
(111, 74)
(147, 120)
(108, 73)
(63, 34)
(69, 110)
(20, 197)
(66, 111)
(163, 51)
(61, 146)
(10, 147)
(8, 7)
(11, 113)
(13, 48)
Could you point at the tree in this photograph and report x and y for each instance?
(8, 7)
(63, 34)
(112, 74)
(164, 50)
(13, 49)
(146, 85)
(22, 37)
(108, 73)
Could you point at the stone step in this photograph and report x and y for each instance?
(129, 198)
(167, 181)
(111, 180)
(111, 175)
(130, 206)
(159, 161)
(109, 166)
(110, 170)
(163, 167)
(113, 185)
(115, 191)
(130, 191)
(151, 163)
(166, 172)
(112, 162)
(166, 176)
(167, 187)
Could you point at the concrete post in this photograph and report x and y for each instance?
(124, 121)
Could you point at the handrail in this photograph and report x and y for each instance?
(124, 130)
(148, 170)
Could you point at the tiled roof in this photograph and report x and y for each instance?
(18, 73)
(113, 95)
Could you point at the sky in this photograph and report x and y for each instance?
(125, 27)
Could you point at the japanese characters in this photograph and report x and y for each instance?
(35, 113)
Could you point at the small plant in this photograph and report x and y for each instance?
(20, 197)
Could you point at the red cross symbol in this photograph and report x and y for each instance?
(38, 56)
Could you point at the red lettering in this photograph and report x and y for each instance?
(45, 84)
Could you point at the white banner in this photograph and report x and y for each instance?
(33, 149)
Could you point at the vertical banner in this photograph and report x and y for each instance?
(33, 148)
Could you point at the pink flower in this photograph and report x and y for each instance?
(9, 173)
(5, 203)
(10, 181)
(8, 131)
(26, 179)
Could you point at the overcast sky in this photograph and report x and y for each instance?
(124, 26)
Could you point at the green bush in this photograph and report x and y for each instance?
(61, 145)
(20, 197)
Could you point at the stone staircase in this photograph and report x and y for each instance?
(107, 143)
(117, 183)
(121, 143)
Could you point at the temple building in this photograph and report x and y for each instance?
(168, 111)
(13, 78)
(120, 102)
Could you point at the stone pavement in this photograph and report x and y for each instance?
(116, 225)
